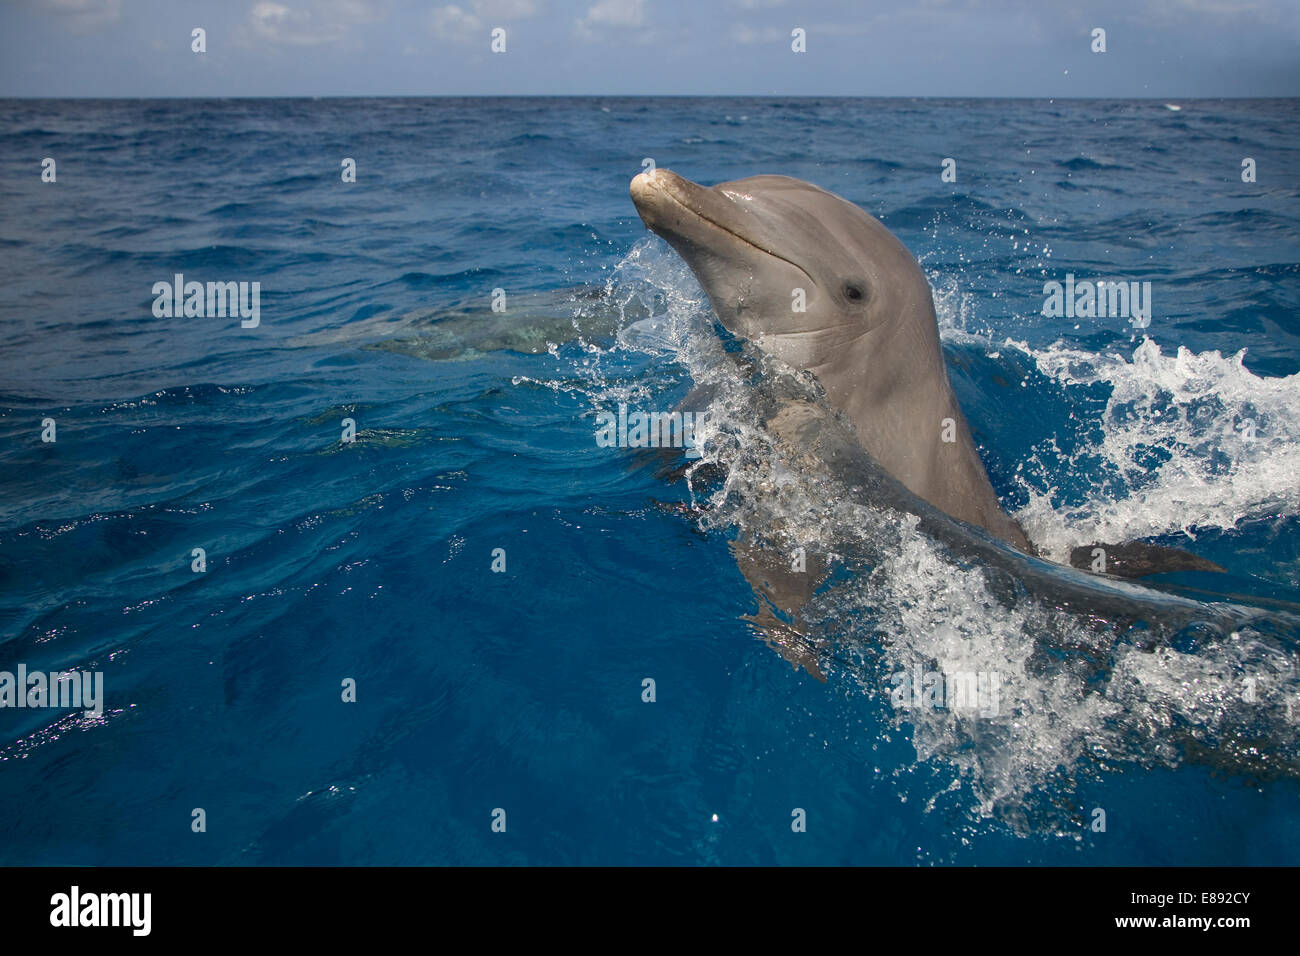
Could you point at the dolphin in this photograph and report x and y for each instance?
(859, 395)
(815, 281)
(818, 283)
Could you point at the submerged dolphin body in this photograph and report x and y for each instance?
(467, 330)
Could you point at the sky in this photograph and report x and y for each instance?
(1039, 48)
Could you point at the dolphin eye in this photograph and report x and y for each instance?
(854, 291)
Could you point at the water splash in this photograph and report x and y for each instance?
(1185, 442)
(1077, 694)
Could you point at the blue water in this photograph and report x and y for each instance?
(521, 690)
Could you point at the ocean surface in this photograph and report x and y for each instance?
(516, 696)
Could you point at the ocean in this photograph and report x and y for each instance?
(363, 588)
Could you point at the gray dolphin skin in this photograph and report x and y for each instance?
(868, 331)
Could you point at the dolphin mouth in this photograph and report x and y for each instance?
(650, 190)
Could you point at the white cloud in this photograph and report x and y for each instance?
(328, 22)
(83, 16)
(606, 16)
(741, 33)
(453, 22)
(505, 9)
(1280, 13)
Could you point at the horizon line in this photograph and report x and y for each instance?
(658, 96)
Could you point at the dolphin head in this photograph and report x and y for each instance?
(793, 268)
